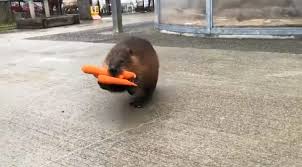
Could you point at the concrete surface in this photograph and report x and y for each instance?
(213, 107)
(146, 30)
(106, 22)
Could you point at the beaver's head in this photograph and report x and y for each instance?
(119, 60)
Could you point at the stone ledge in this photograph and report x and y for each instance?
(54, 21)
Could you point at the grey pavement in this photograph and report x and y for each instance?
(146, 30)
(213, 106)
(84, 26)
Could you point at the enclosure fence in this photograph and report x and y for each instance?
(230, 17)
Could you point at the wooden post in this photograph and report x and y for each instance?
(32, 9)
(46, 8)
(117, 16)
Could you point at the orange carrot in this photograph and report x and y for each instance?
(124, 75)
(104, 79)
(90, 69)
(128, 74)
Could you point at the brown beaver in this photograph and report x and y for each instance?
(136, 55)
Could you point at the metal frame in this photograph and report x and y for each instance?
(209, 14)
(210, 29)
(117, 16)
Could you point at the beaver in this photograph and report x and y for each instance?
(136, 55)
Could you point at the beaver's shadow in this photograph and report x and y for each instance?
(121, 113)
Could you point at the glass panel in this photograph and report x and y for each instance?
(183, 12)
(257, 13)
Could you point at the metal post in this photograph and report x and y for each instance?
(157, 11)
(209, 11)
(31, 9)
(46, 8)
(117, 16)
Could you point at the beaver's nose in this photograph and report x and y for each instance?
(113, 71)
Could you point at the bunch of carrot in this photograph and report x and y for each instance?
(105, 78)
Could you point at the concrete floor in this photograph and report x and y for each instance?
(212, 107)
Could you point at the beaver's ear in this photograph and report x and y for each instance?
(129, 51)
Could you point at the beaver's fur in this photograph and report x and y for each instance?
(136, 55)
